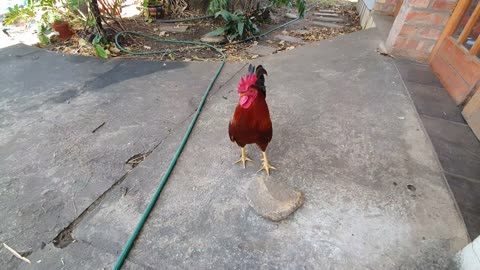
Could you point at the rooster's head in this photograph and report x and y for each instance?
(246, 90)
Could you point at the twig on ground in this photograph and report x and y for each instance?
(16, 254)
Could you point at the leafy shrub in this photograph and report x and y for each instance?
(217, 5)
(19, 13)
(237, 25)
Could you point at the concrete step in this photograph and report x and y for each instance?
(329, 19)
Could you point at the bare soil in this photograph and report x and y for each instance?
(303, 29)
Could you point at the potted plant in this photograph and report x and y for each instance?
(62, 27)
(52, 24)
(154, 9)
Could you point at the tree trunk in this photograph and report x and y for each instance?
(200, 5)
(96, 14)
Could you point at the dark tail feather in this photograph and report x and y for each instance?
(251, 69)
(260, 84)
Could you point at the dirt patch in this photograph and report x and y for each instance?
(301, 32)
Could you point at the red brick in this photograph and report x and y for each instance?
(425, 46)
(419, 3)
(384, 8)
(408, 30)
(406, 43)
(429, 33)
(443, 5)
(411, 54)
(423, 17)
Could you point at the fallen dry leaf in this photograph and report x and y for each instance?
(114, 49)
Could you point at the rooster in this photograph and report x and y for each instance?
(251, 121)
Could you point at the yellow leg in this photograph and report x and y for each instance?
(244, 158)
(266, 165)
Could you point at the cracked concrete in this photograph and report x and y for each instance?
(345, 133)
(53, 167)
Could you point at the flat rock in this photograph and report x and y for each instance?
(216, 40)
(289, 39)
(291, 16)
(261, 50)
(273, 200)
(327, 24)
(173, 28)
(329, 19)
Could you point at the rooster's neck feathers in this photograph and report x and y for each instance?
(260, 73)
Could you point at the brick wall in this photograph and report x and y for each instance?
(417, 27)
(385, 6)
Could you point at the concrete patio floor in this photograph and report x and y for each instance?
(346, 133)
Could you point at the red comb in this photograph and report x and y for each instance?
(246, 82)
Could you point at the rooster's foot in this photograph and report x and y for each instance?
(244, 158)
(266, 165)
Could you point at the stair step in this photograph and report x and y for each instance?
(325, 14)
(329, 19)
(326, 11)
(327, 24)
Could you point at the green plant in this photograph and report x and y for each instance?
(46, 12)
(60, 8)
(75, 4)
(44, 27)
(98, 44)
(20, 13)
(217, 5)
(237, 25)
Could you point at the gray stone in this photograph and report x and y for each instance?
(273, 199)
(291, 16)
(328, 19)
(261, 50)
(173, 28)
(214, 40)
(327, 24)
(290, 39)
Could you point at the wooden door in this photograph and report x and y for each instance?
(455, 57)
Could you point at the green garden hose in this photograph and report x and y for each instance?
(151, 204)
